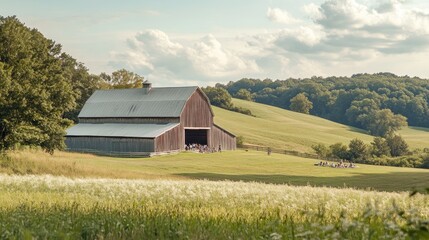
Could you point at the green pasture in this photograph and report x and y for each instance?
(240, 165)
(294, 131)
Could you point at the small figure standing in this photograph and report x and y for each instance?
(269, 151)
(220, 148)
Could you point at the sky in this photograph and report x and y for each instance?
(176, 43)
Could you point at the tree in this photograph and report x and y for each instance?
(321, 150)
(300, 103)
(357, 150)
(122, 79)
(244, 94)
(240, 141)
(219, 97)
(397, 145)
(425, 159)
(83, 83)
(380, 147)
(360, 112)
(35, 91)
(338, 150)
(384, 122)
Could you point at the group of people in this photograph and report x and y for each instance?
(341, 164)
(202, 148)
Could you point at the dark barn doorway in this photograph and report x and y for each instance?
(198, 136)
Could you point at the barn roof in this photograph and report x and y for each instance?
(119, 130)
(159, 102)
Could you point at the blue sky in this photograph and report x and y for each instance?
(203, 42)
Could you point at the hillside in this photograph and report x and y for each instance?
(280, 128)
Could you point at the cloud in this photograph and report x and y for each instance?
(340, 36)
(389, 27)
(313, 11)
(280, 16)
(152, 52)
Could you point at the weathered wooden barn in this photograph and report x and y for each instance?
(146, 121)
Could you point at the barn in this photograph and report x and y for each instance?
(146, 121)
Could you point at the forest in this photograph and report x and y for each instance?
(379, 103)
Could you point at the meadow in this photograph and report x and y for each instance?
(230, 195)
(48, 207)
(283, 129)
(240, 165)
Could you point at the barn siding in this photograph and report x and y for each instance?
(110, 144)
(196, 112)
(221, 137)
(129, 120)
(169, 141)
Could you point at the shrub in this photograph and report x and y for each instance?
(240, 141)
(321, 150)
(338, 150)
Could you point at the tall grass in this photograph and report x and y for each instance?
(59, 207)
(35, 161)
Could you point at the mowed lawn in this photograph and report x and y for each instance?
(237, 165)
(289, 130)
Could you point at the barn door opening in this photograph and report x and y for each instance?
(198, 136)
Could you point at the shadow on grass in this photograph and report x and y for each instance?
(383, 182)
(419, 129)
(357, 130)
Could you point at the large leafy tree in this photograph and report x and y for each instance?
(380, 147)
(121, 79)
(338, 150)
(357, 150)
(34, 92)
(300, 103)
(384, 122)
(83, 83)
(397, 145)
(219, 97)
(244, 94)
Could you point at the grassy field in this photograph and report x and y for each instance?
(46, 207)
(250, 166)
(229, 195)
(289, 130)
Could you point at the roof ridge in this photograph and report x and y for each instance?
(125, 89)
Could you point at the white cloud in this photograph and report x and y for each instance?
(153, 53)
(389, 27)
(280, 16)
(313, 11)
(343, 37)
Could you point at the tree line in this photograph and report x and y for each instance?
(389, 151)
(42, 88)
(221, 98)
(380, 103)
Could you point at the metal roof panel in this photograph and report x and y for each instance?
(159, 102)
(120, 130)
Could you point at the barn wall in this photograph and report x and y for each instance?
(169, 141)
(110, 144)
(221, 137)
(196, 112)
(129, 120)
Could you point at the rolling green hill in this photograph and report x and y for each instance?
(279, 128)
